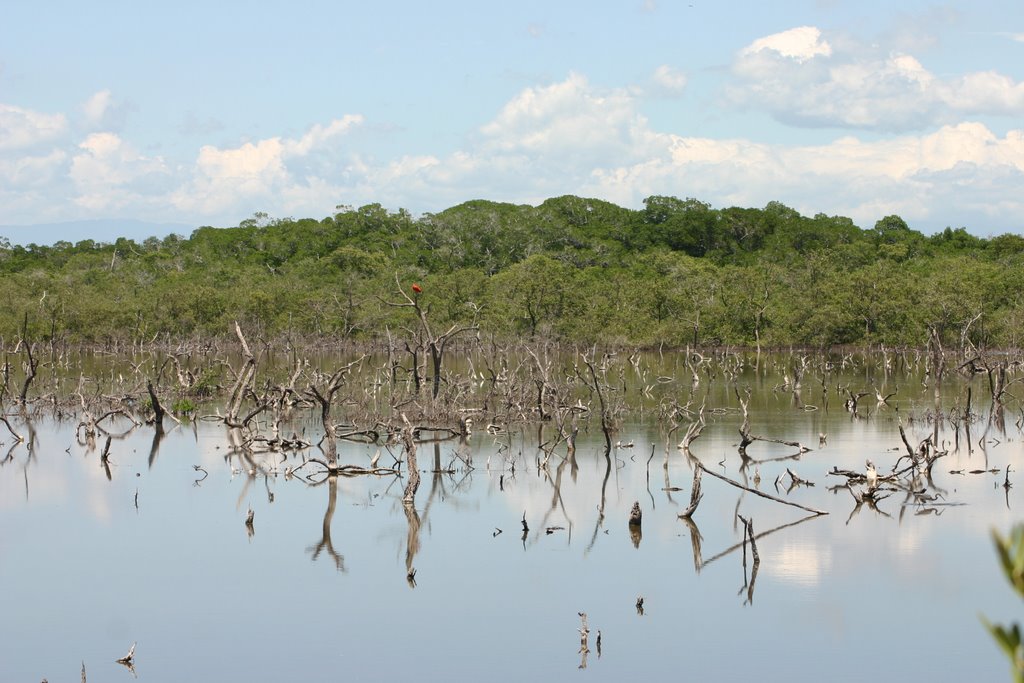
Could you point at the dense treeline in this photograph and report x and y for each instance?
(581, 270)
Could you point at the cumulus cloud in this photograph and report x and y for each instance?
(803, 79)
(96, 106)
(109, 173)
(569, 136)
(238, 177)
(23, 128)
(101, 112)
(911, 176)
(33, 171)
(667, 81)
(568, 119)
(800, 44)
(573, 137)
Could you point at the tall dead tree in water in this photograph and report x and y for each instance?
(324, 397)
(595, 383)
(409, 443)
(426, 339)
(243, 379)
(31, 362)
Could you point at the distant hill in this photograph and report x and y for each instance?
(96, 230)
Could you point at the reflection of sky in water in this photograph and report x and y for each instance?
(86, 574)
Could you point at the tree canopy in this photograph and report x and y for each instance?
(572, 269)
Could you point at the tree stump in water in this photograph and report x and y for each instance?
(635, 515)
(635, 518)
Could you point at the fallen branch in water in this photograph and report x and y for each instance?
(759, 493)
(15, 434)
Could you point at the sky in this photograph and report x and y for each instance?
(203, 113)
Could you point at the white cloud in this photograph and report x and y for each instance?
(110, 174)
(101, 113)
(32, 171)
(802, 80)
(911, 176)
(800, 44)
(255, 173)
(96, 107)
(567, 121)
(564, 137)
(319, 135)
(23, 128)
(668, 81)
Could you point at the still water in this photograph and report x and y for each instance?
(156, 551)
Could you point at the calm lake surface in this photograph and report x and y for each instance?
(157, 551)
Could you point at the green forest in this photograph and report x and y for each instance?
(676, 272)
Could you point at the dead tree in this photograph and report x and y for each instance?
(595, 384)
(243, 385)
(746, 438)
(324, 397)
(434, 344)
(31, 362)
(695, 495)
(409, 443)
(158, 409)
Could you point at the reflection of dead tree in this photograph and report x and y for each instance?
(325, 542)
(412, 542)
(748, 533)
(695, 542)
(734, 548)
(869, 497)
(600, 509)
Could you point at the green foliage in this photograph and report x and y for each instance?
(206, 384)
(184, 406)
(576, 269)
(1011, 558)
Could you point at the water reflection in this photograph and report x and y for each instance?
(927, 531)
(325, 542)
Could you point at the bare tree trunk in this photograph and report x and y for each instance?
(410, 459)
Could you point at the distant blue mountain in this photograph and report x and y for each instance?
(97, 230)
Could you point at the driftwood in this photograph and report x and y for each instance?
(584, 636)
(695, 495)
(759, 493)
(746, 438)
(16, 435)
(129, 658)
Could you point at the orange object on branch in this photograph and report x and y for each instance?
(416, 288)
